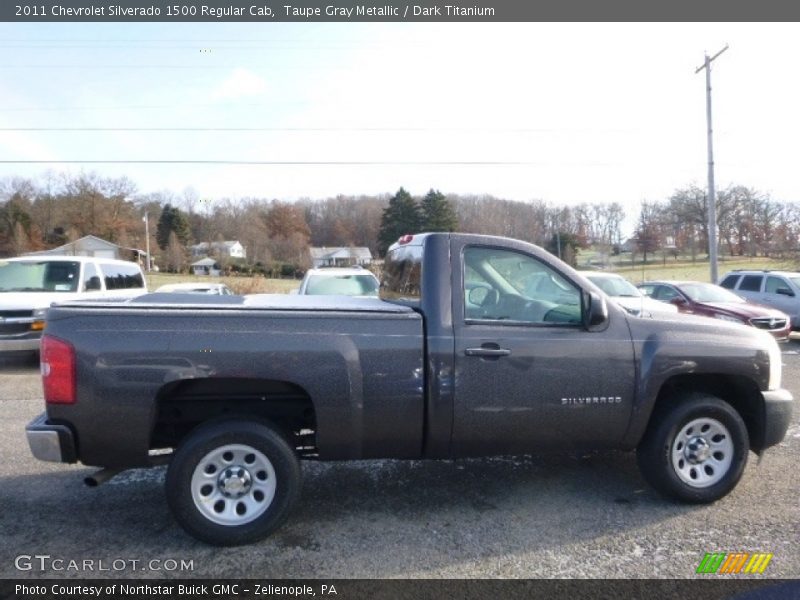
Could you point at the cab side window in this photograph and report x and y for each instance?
(666, 293)
(648, 290)
(776, 283)
(502, 285)
(122, 276)
(729, 282)
(751, 283)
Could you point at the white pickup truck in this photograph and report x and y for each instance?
(30, 284)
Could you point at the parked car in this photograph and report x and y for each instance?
(267, 380)
(339, 281)
(30, 284)
(196, 287)
(711, 300)
(628, 296)
(778, 289)
(550, 287)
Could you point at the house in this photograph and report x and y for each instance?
(91, 245)
(629, 245)
(206, 266)
(226, 249)
(340, 257)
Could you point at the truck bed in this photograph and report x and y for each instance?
(359, 359)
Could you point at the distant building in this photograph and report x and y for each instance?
(340, 257)
(629, 245)
(206, 266)
(230, 248)
(90, 245)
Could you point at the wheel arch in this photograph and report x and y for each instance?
(183, 405)
(741, 392)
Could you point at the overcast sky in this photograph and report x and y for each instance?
(571, 112)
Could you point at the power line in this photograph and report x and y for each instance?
(313, 129)
(456, 163)
(198, 66)
(204, 44)
(181, 40)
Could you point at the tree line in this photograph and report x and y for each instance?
(749, 222)
(54, 209)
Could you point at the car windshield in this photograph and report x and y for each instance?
(795, 280)
(343, 285)
(615, 286)
(39, 276)
(706, 292)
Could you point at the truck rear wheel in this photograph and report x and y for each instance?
(695, 449)
(232, 482)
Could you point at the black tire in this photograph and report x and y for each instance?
(256, 497)
(669, 448)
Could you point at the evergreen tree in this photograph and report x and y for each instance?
(172, 219)
(399, 218)
(437, 213)
(566, 245)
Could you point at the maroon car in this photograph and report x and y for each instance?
(713, 301)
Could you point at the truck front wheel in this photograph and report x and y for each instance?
(695, 448)
(232, 482)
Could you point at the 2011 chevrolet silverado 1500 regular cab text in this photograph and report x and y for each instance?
(458, 358)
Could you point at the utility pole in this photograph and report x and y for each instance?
(147, 239)
(712, 199)
(557, 227)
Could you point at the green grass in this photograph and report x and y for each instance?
(240, 285)
(682, 269)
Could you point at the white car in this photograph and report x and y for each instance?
(196, 287)
(339, 281)
(30, 284)
(624, 293)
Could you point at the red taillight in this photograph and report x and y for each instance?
(58, 370)
(405, 239)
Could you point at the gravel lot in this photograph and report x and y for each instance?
(534, 516)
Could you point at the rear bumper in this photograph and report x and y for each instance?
(51, 441)
(26, 343)
(777, 416)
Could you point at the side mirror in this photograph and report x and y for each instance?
(678, 301)
(595, 313)
(783, 291)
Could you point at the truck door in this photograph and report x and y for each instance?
(528, 373)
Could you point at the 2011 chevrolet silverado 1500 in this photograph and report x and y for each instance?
(467, 353)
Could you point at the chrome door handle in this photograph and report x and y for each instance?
(496, 352)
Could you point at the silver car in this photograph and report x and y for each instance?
(628, 296)
(778, 289)
(352, 281)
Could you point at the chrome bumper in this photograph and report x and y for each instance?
(51, 442)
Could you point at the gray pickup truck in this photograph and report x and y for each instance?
(465, 354)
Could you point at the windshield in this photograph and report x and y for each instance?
(343, 285)
(615, 286)
(706, 292)
(39, 276)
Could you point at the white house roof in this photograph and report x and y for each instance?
(359, 252)
(87, 242)
(204, 262)
(226, 244)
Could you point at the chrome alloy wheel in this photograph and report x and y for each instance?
(702, 452)
(233, 484)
